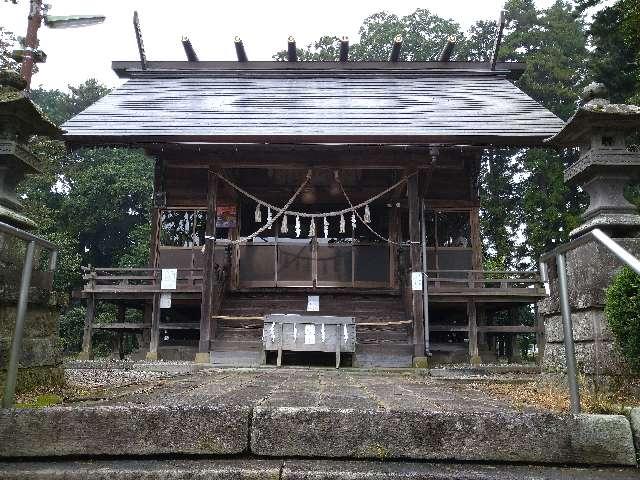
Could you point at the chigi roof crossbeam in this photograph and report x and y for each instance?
(292, 52)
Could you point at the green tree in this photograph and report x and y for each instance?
(553, 44)
(94, 203)
(614, 35)
(423, 33)
(7, 41)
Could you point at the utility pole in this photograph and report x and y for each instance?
(30, 54)
(31, 40)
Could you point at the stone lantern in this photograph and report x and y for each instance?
(40, 355)
(19, 119)
(606, 164)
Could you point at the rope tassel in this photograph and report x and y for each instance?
(353, 221)
(343, 226)
(367, 214)
(298, 229)
(269, 215)
(325, 225)
(258, 215)
(284, 228)
(312, 228)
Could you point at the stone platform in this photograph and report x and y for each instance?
(315, 414)
(249, 469)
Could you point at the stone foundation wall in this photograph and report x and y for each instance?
(41, 358)
(590, 269)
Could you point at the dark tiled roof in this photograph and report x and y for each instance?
(399, 103)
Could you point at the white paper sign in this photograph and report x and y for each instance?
(416, 281)
(309, 334)
(165, 300)
(169, 276)
(313, 303)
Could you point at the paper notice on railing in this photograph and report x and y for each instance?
(165, 300)
(416, 281)
(313, 303)
(169, 277)
(309, 334)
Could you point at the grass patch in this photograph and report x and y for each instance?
(547, 396)
(41, 401)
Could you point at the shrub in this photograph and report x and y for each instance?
(622, 309)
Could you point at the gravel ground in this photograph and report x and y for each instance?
(86, 378)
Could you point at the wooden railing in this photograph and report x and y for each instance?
(138, 279)
(484, 279)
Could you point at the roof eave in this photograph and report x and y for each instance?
(78, 141)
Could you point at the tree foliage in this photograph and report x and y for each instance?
(7, 41)
(615, 36)
(93, 203)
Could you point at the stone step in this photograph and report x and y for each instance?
(173, 431)
(384, 354)
(237, 358)
(286, 469)
(230, 345)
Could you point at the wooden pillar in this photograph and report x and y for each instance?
(394, 235)
(122, 318)
(152, 354)
(476, 240)
(416, 266)
(87, 336)
(474, 356)
(159, 201)
(207, 328)
(481, 315)
(147, 320)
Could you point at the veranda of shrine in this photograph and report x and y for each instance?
(345, 181)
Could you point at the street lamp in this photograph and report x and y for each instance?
(37, 13)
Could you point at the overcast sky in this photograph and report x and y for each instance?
(264, 25)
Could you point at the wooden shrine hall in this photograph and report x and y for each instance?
(315, 188)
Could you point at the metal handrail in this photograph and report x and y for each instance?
(8, 399)
(559, 254)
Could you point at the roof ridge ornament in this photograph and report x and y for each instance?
(138, 32)
(595, 92)
(498, 41)
(396, 47)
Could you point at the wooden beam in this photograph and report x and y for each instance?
(344, 49)
(240, 52)
(498, 40)
(292, 53)
(508, 328)
(207, 324)
(416, 264)
(476, 240)
(138, 31)
(474, 357)
(154, 340)
(121, 326)
(447, 50)
(159, 200)
(188, 50)
(395, 49)
(128, 68)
